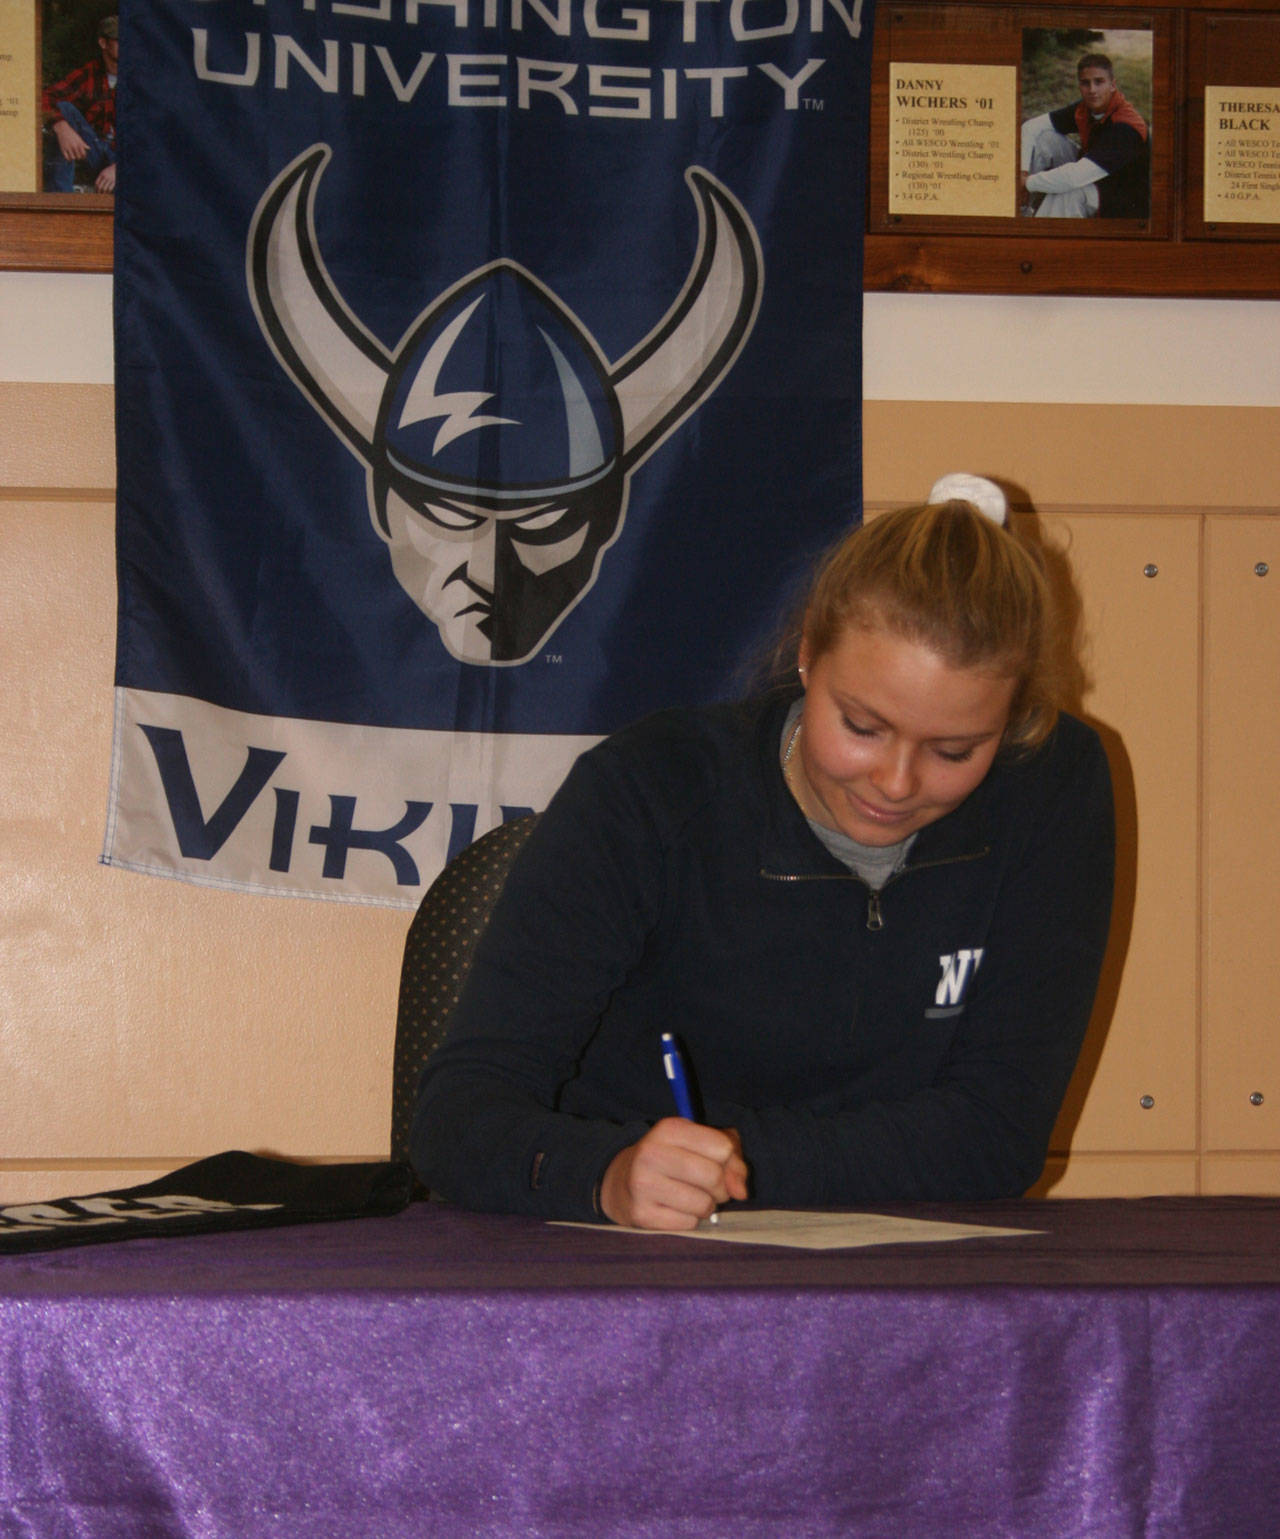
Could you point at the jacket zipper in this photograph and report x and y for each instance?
(875, 917)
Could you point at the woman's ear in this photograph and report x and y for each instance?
(803, 661)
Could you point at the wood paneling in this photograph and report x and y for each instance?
(56, 233)
(1174, 253)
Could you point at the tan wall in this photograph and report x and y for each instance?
(147, 1022)
(143, 1022)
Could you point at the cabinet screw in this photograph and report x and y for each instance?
(1150, 570)
(1147, 1102)
(1257, 1098)
(1261, 568)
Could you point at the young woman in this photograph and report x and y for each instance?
(872, 908)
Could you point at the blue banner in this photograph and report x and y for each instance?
(488, 375)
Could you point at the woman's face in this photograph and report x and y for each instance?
(892, 737)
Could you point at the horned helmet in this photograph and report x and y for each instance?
(497, 440)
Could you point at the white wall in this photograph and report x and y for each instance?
(56, 328)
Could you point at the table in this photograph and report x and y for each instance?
(441, 1373)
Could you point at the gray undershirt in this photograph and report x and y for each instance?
(874, 863)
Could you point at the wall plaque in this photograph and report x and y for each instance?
(1101, 149)
(1242, 154)
(19, 74)
(951, 139)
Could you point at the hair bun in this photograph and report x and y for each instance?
(985, 495)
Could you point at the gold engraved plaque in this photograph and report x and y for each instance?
(1242, 154)
(953, 140)
(19, 168)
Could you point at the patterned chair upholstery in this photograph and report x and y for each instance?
(437, 953)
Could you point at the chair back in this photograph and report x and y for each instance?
(437, 956)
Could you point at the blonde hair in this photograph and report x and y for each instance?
(970, 590)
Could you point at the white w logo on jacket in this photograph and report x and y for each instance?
(955, 975)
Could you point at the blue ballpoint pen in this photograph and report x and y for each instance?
(673, 1066)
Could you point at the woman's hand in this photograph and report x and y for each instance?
(678, 1173)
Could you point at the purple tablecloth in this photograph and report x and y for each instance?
(448, 1374)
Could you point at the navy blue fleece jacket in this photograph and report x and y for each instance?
(674, 885)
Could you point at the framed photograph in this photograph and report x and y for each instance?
(79, 58)
(58, 64)
(1085, 134)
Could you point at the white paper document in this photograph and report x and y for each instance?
(823, 1231)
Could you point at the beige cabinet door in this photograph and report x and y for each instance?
(1241, 1033)
(1138, 577)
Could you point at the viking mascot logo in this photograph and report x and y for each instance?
(498, 442)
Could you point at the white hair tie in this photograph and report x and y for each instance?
(985, 495)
